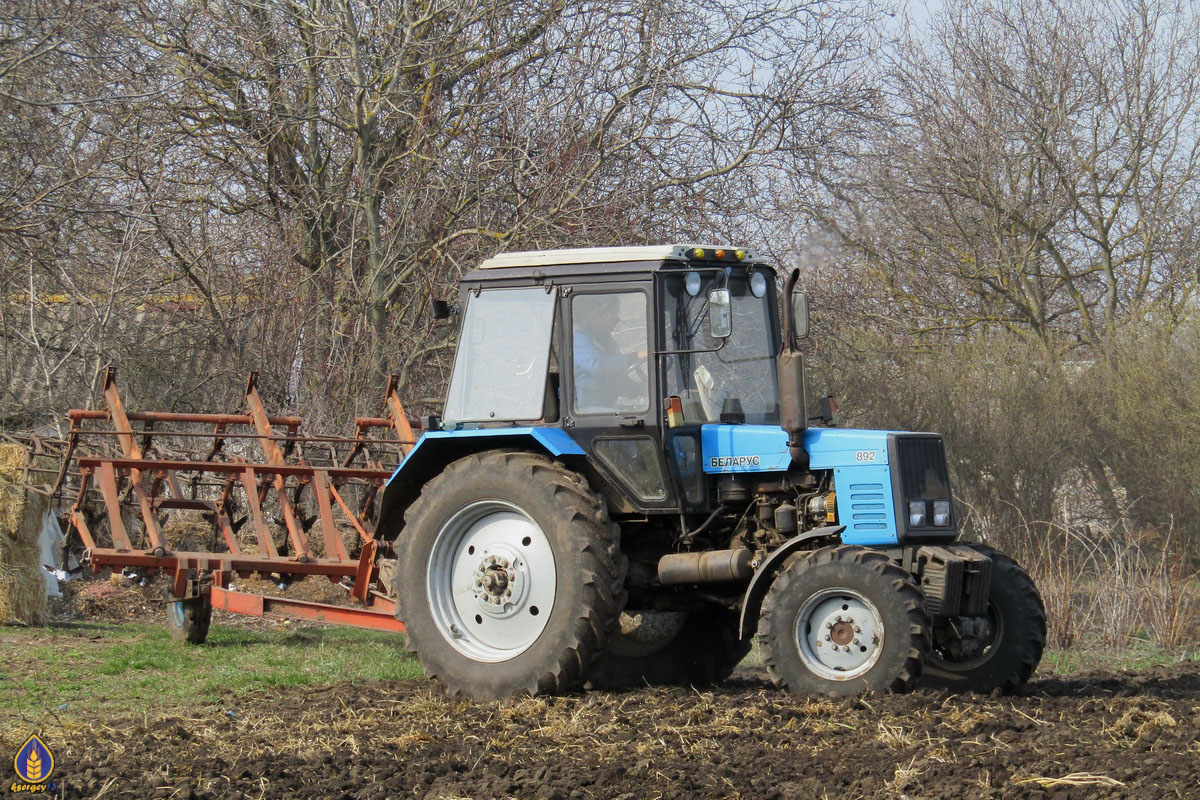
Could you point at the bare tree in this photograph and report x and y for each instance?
(391, 146)
(1030, 194)
(1038, 172)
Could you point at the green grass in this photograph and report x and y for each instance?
(74, 670)
(1064, 662)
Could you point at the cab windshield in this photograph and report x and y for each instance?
(736, 374)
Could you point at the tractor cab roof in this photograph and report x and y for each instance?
(593, 260)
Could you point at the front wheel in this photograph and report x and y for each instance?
(508, 576)
(843, 620)
(996, 652)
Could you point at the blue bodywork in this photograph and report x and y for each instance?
(554, 440)
(858, 458)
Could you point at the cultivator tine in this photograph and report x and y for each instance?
(266, 545)
(398, 416)
(276, 457)
(108, 488)
(227, 531)
(333, 542)
(360, 525)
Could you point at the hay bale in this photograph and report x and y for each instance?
(22, 579)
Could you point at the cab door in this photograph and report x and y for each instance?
(612, 404)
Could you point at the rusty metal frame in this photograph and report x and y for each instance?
(132, 479)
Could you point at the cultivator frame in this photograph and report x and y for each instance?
(231, 491)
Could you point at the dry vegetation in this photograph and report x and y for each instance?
(22, 581)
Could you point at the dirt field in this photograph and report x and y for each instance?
(130, 716)
(1120, 735)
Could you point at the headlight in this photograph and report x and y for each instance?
(692, 283)
(916, 513)
(758, 284)
(941, 513)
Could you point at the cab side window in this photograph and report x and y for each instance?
(610, 372)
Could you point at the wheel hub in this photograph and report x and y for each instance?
(492, 581)
(842, 633)
(501, 581)
(839, 633)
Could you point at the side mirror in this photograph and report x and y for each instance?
(800, 315)
(720, 314)
(441, 309)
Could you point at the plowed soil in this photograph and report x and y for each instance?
(1121, 735)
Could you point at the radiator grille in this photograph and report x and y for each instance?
(923, 473)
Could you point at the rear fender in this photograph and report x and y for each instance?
(752, 602)
(436, 450)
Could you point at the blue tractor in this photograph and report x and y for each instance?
(624, 489)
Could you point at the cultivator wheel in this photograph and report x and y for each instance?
(843, 620)
(509, 576)
(188, 619)
(697, 648)
(997, 652)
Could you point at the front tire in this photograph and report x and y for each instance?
(843, 620)
(509, 576)
(1015, 635)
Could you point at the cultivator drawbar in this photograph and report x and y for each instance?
(263, 487)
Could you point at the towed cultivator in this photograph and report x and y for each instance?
(263, 485)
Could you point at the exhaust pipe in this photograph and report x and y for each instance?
(710, 566)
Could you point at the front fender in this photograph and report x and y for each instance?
(752, 601)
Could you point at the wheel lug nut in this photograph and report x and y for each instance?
(857, 629)
(829, 638)
(828, 625)
(856, 641)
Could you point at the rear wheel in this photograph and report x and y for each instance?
(508, 576)
(843, 620)
(189, 619)
(996, 652)
(650, 648)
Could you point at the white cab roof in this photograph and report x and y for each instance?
(594, 255)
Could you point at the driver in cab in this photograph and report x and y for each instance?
(609, 370)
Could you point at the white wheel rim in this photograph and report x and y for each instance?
(839, 634)
(491, 581)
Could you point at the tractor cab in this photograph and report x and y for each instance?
(629, 351)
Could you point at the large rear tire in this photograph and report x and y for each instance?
(843, 620)
(702, 650)
(509, 576)
(1012, 638)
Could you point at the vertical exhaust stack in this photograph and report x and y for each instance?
(793, 405)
